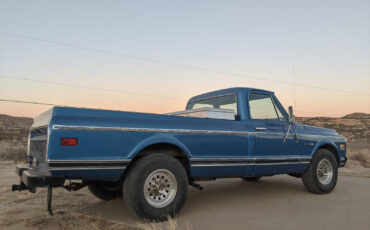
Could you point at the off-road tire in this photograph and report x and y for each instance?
(252, 178)
(105, 190)
(133, 186)
(310, 178)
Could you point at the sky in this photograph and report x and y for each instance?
(152, 56)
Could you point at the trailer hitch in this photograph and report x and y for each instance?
(22, 187)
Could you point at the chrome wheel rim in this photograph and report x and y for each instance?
(160, 188)
(324, 171)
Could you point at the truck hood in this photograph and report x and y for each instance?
(320, 130)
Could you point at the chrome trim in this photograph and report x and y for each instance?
(39, 138)
(149, 130)
(86, 168)
(252, 159)
(88, 161)
(185, 131)
(249, 164)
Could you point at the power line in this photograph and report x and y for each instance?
(140, 58)
(30, 102)
(87, 87)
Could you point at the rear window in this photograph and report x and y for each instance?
(221, 102)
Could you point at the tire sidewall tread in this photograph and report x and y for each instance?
(133, 187)
(309, 178)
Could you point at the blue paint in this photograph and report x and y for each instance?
(125, 145)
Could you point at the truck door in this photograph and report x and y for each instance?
(272, 155)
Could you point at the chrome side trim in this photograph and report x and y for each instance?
(85, 168)
(248, 164)
(216, 162)
(187, 131)
(252, 159)
(148, 130)
(88, 161)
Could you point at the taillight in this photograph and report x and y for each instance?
(69, 141)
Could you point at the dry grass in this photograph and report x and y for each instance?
(171, 224)
(71, 221)
(362, 158)
(13, 151)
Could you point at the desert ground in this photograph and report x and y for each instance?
(278, 202)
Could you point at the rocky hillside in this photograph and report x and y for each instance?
(14, 128)
(13, 137)
(355, 126)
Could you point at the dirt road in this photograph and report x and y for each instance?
(279, 202)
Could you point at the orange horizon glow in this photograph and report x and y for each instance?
(309, 105)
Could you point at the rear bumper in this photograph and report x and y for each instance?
(31, 177)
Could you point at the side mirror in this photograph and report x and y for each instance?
(291, 116)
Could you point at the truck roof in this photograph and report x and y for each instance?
(234, 90)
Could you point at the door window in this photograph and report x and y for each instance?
(262, 107)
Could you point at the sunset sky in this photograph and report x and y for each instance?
(157, 54)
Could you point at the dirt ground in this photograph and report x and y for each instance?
(278, 202)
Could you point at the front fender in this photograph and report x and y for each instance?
(162, 138)
(325, 143)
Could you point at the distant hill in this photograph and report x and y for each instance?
(355, 126)
(14, 128)
(357, 116)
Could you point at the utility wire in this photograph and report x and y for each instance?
(140, 58)
(88, 87)
(30, 102)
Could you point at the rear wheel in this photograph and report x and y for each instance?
(155, 187)
(252, 178)
(106, 190)
(322, 174)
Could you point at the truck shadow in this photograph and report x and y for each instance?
(220, 194)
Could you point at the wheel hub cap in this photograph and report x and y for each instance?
(160, 188)
(324, 171)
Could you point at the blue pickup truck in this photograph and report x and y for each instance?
(151, 159)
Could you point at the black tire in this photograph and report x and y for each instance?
(106, 190)
(311, 179)
(252, 178)
(133, 186)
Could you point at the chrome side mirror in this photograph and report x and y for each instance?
(291, 116)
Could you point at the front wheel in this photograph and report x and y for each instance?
(322, 174)
(156, 187)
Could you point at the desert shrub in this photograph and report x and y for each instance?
(13, 151)
(363, 158)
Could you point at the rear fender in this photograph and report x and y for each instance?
(159, 139)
